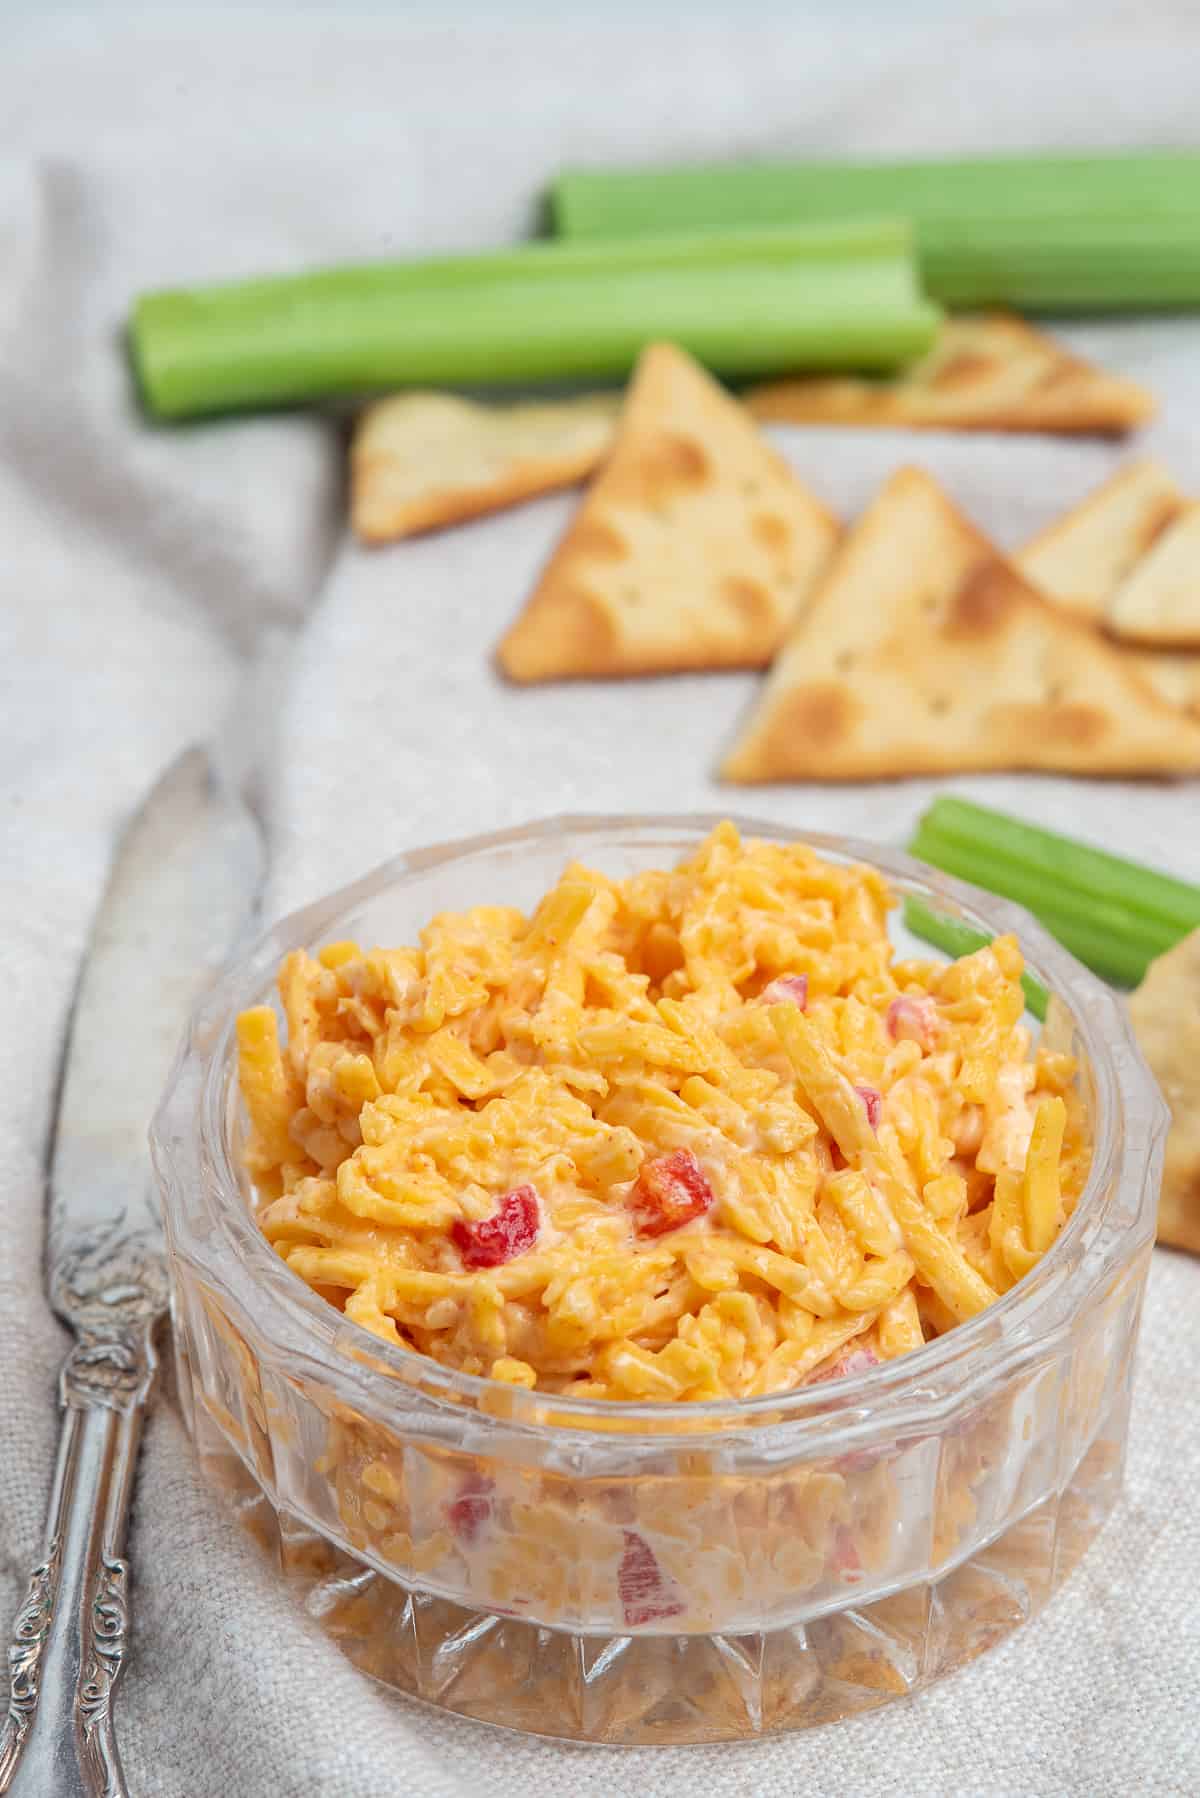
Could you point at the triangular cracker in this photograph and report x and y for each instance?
(991, 373)
(1081, 559)
(1174, 677)
(1166, 1018)
(1159, 602)
(923, 651)
(693, 548)
(421, 460)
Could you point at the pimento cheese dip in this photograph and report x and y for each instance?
(694, 1134)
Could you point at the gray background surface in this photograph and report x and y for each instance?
(159, 585)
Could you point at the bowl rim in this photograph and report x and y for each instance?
(282, 1309)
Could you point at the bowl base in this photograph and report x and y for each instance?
(633, 1690)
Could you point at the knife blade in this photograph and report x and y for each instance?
(182, 887)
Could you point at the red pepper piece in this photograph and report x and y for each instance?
(646, 1594)
(494, 1240)
(668, 1192)
(844, 1555)
(873, 1100)
(469, 1512)
(912, 1019)
(856, 1357)
(785, 988)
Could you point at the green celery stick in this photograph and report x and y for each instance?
(1094, 874)
(824, 295)
(1040, 232)
(1117, 944)
(1097, 263)
(956, 937)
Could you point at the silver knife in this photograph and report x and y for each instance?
(182, 888)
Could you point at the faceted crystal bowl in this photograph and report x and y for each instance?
(485, 1547)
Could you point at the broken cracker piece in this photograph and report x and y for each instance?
(423, 460)
(1081, 559)
(988, 373)
(1158, 603)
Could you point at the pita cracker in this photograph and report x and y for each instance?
(1166, 1019)
(422, 460)
(1081, 559)
(922, 651)
(990, 373)
(1159, 602)
(693, 548)
(1175, 678)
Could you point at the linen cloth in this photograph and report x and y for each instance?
(163, 585)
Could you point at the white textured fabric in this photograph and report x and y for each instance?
(154, 583)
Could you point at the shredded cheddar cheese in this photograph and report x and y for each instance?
(694, 1134)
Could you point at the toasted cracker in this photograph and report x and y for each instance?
(1081, 559)
(421, 460)
(922, 651)
(1166, 1018)
(1175, 677)
(1159, 602)
(989, 373)
(693, 548)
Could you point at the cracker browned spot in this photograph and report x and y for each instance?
(1071, 723)
(963, 370)
(773, 532)
(665, 468)
(983, 601)
(597, 538)
(1060, 374)
(815, 717)
(750, 600)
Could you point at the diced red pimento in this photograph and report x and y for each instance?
(669, 1192)
(471, 1509)
(844, 1555)
(509, 1232)
(786, 989)
(647, 1594)
(856, 1357)
(872, 1099)
(912, 1018)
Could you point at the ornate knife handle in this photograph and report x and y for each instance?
(71, 1634)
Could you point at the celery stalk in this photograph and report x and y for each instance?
(956, 937)
(1101, 262)
(827, 295)
(1110, 941)
(1094, 875)
(1042, 233)
(1112, 914)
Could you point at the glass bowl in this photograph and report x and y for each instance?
(636, 1573)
